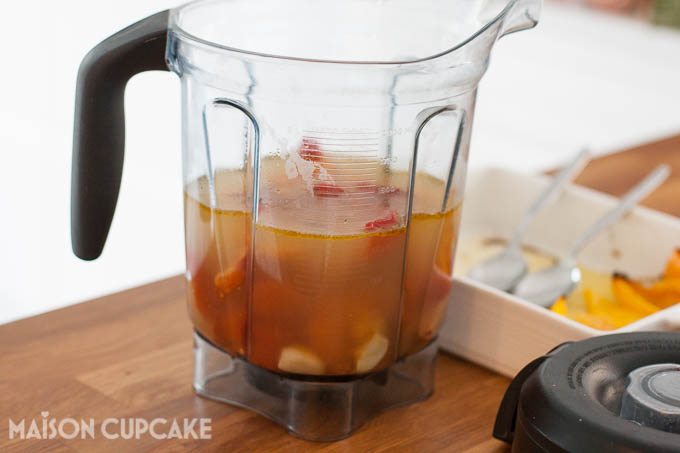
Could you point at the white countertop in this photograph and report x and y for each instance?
(580, 79)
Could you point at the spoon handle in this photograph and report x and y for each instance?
(637, 193)
(549, 194)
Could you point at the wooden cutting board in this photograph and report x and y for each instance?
(129, 355)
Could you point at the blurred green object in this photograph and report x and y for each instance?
(667, 12)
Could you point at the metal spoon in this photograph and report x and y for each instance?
(506, 269)
(546, 286)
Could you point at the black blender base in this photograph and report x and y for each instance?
(319, 410)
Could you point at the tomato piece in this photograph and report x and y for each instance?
(386, 221)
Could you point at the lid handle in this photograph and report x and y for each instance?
(504, 428)
(99, 127)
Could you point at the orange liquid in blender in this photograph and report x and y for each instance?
(333, 286)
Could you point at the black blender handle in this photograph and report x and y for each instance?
(99, 129)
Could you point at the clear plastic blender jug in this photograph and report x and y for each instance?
(324, 155)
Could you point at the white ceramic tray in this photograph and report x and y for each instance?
(502, 332)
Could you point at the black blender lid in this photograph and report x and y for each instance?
(614, 393)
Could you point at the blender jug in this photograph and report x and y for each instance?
(324, 154)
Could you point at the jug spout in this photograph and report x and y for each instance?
(523, 15)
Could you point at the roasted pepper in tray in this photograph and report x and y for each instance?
(625, 302)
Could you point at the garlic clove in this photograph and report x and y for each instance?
(300, 361)
(371, 353)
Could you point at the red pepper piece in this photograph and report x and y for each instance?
(310, 150)
(388, 220)
(327, 189)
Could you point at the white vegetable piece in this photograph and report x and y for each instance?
(297, 360)
(371, 353)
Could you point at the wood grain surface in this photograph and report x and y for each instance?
(616, 173)
(129, 355)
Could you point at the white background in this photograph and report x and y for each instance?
(580, 79)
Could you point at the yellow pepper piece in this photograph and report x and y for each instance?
(673, 266)
(628, 297)
(615, 314)
(592, 302)
(663, 294)
(560, 306)
(593, 321)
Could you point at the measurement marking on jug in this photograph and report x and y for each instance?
(337, 153)
(344, 164)
(348, 160)
(350, 174)
(350, 197)
(345, 132)
(326, 143)
(332, 168)
(342, 142)
(323, 223)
